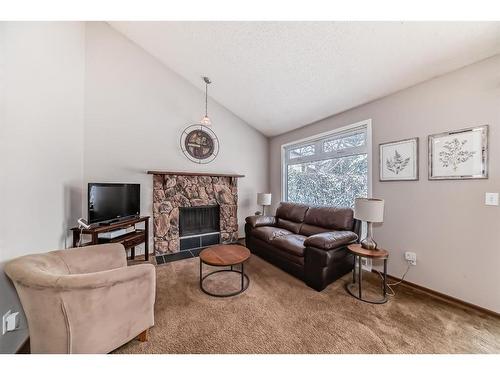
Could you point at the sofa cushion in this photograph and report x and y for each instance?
(331, 240)
(292, 211)
(268, 234)
(260, 221)
(309, 230)
(269, 250)
(289, 225)
(337, 218)
(293, 244)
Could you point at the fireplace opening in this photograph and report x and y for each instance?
(199, 226)
(198, 220)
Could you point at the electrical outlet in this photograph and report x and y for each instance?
(491, 199)
(411, 258)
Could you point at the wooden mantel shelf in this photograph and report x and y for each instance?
(198, 174)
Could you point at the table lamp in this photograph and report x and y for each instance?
(370, 210)
(264, 199)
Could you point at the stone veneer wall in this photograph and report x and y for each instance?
(173, 191)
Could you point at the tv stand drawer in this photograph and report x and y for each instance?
(127, 240)
(133, 242)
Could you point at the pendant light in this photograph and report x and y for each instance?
(206, 120)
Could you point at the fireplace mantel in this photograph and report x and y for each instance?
(210, 174)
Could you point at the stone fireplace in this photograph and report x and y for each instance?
(174, 192)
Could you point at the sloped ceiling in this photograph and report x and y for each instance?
(278, 76)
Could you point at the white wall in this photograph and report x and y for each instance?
(41, 148)
(135, 111)
(456, 237)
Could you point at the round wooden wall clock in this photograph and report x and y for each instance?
(199, 143)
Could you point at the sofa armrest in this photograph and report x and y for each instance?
(104, 279)
(93, 258)
(106, 309)
(331, 240)
(260, 221)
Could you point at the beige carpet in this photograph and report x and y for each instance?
(280, 314)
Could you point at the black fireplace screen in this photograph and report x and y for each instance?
(198, 220)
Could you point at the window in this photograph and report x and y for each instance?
(340, 143)
(302, 151)
(329, 170)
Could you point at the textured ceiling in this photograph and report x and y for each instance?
(278, 76)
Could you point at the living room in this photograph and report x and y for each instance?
(220, 181)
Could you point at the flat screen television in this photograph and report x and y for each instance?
(113, 202)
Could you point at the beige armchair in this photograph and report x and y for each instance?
(84, 300)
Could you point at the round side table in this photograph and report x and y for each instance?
(225, 256)
(359, 253)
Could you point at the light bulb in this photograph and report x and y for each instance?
(206, 121)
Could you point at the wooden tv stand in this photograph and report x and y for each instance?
(128, 240)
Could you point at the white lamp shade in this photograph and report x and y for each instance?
(369, 209)
(264, 199)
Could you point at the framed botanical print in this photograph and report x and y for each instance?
(460, 154)
(399, 160)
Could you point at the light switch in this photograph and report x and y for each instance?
(491, 199)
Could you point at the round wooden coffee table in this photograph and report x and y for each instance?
(359, 253)
(225, 256)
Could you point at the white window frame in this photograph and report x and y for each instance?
(318, 140)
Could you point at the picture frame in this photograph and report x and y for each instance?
(459, 154)
(398, 160)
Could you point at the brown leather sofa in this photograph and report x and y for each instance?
(307, 242)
